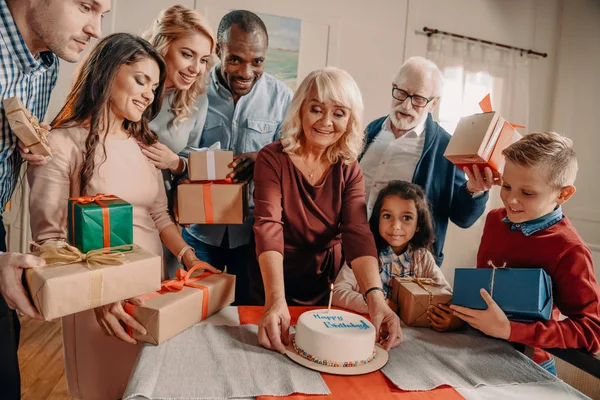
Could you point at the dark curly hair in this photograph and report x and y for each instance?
(424, 236)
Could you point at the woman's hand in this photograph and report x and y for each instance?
(387, 323)
(189, 259)
(274, 326)
(162, 157)
(111, 319)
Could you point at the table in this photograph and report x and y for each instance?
(376, 386)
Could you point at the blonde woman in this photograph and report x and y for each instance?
(187, 42)
(310, 205)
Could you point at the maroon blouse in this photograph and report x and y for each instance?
(309, 225)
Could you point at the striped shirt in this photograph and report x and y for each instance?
(29, 78)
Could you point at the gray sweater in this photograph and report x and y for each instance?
(182, 138)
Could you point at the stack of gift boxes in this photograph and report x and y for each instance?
(524, 294)
(100, 265)
(209, 196)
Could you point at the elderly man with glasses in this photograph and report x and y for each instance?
(409, 145)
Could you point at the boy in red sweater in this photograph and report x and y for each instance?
(532, 232)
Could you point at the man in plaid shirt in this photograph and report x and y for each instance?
(34, 34)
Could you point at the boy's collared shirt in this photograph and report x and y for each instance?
(30, 79)
(393, 265)
(530, 227)
(247, 126)
(562, 253)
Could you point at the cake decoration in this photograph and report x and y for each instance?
(334, 338)
(327, 363)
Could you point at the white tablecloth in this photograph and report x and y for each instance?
(548, 391)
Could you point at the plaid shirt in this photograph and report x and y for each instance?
(29, 78)
(393, 265)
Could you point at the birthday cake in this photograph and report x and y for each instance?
(335, 338)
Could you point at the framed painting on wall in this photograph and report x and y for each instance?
(284, 48)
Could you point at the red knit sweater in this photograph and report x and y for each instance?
(561, 252)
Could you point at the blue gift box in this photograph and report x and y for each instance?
(524, 294)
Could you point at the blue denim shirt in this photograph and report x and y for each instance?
(535, 225)
(247, 126)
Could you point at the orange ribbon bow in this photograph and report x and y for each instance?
(176, 285)
(98, 199)
(486, 106)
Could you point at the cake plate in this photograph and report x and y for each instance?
(381, 358)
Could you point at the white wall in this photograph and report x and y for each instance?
(576, 106)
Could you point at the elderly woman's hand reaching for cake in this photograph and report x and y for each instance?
(310, 212)
(386, 321)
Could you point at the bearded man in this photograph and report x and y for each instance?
(409, 145)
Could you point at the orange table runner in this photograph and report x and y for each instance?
(373, 386)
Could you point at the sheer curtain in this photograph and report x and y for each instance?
(471, 70)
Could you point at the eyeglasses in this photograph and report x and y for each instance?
(415, 99)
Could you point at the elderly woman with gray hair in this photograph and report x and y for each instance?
(310, 213)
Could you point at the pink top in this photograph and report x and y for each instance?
(97, 366)
(125, 173)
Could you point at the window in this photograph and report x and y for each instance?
(463, 90)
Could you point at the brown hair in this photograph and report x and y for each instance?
(547, 150)
(424, 236)
(89, 99)
(173, 23)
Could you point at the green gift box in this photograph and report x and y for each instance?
(100, 221)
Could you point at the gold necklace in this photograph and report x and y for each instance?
(310, 172)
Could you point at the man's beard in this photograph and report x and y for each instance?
(405, 124)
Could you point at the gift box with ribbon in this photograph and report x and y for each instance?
(479, 139)
(415, 295)
(209, 165)
(73, 281)
(100, 221)
(217, 202)
(524, 294)
(26, 127)
(182, 302)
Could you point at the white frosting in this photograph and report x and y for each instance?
(336, 336)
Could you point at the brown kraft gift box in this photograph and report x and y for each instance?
(209, 165)
(211, 203)
(479, 139)
(69, 288)
(414, 296)
(165, 313)
(26, 127)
